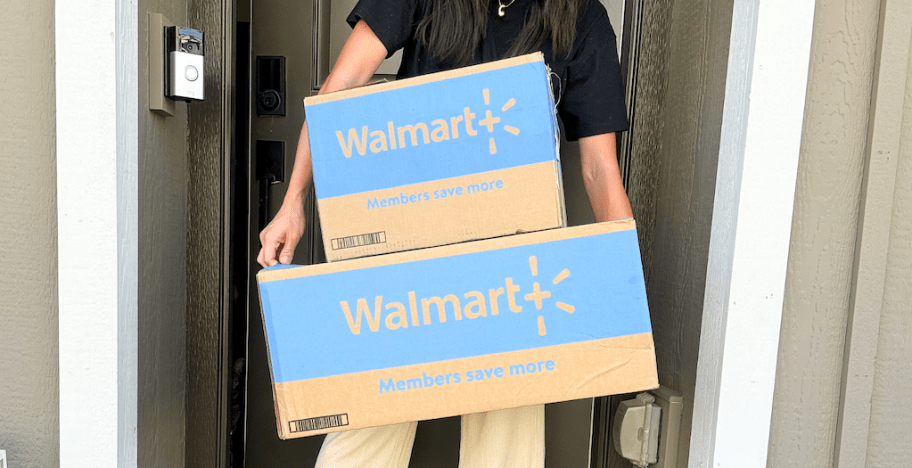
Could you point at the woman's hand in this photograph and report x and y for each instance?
(282, 235)
(279, 239)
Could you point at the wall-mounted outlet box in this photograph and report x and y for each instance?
(672, 404)
(646, 429)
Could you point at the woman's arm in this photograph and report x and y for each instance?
(602, 178)
(360, 57)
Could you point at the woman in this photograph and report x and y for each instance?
(580, 49)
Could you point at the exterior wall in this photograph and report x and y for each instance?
(836, 141)
(675, 131)
(823, 234)
(890, 432)
(28, 236)
(162, 262)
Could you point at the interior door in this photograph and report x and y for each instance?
(308, 35)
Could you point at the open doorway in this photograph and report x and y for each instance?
(299, 40)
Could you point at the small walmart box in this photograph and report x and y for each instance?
(438, 159)
(519, 320)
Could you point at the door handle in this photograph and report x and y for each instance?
(270, 169)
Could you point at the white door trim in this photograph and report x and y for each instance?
(762, 120)
(127, 230)
(97, 197)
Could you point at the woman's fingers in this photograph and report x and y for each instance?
(269, 253)
(261, 257)
(287, 254)
(280, 237)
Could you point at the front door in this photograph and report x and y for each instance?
(292, 44)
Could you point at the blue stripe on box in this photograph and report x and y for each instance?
(532, 114)
(309, 335)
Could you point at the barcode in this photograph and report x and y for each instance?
(359, 240)
(315, 424)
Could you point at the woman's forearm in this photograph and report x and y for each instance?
(602, 178)
(301, 172)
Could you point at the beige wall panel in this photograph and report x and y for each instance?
(683, 65)
(823, 234)
(29, 425)
(890, 431)
(162, 295)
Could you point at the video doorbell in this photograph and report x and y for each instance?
(184, 64)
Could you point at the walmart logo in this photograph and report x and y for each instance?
(402, 136)
(469, 305)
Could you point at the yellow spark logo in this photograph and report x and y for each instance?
(537, 295)
(489, 120)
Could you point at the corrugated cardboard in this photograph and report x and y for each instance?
(438, 159)
(519, 320)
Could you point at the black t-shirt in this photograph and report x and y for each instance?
(590, 93)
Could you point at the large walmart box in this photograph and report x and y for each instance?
(519, 320)
(443, 158)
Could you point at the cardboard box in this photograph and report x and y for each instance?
(519, 320)
(438, 159)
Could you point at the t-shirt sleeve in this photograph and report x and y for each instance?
(391, 20)
(593, 102)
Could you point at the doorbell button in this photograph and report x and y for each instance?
(191, 73)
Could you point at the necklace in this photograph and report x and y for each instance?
(500, 9)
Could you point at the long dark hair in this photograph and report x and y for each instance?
(453, 29)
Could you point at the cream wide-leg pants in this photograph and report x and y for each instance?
(510, 438)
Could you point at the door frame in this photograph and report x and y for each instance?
(769, 55)
(743, 299)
